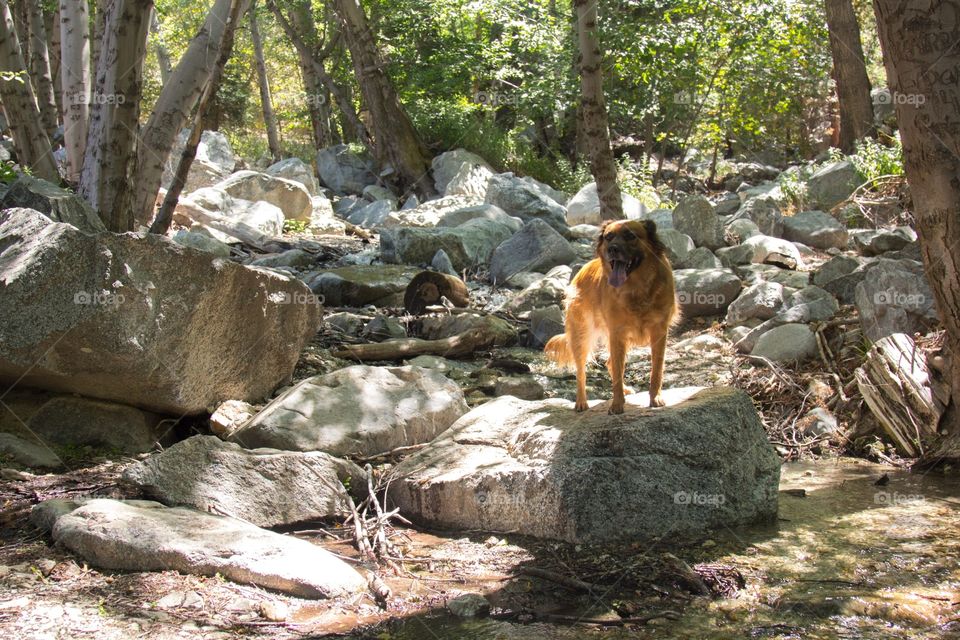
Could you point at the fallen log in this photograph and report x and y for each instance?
(461, 344)
(895, 383)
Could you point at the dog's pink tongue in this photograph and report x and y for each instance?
(618, 273)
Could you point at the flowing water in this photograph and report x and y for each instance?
(851, 559)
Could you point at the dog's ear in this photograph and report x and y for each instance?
(603, 227)
(651, 228)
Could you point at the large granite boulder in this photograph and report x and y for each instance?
(538, 468)
(343, 170)
(139, 535)
(815, 229)
(265, 487)
(291, 197)
(57, 204)
(584, 206)
(360, 285)
(214, 161)
(705, 292)
(694, 216)
(832, 184)
(297, 170)
(449, 164)
(140, 320)
(525, 201)
(470, 244)
(536, 247)
(894, 297)
(358, 410)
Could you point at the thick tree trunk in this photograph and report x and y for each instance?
(317, 95)
(850, 74)
(29, 136)
(75, 78)
(919, 41)
(396, 141)
(173, 108)
(595, 128)
(115, 112)
(266, 102)
(165, 215)
(40, 68)
(341, 96)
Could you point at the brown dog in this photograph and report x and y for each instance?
(624, 297)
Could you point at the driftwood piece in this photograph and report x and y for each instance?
(459, 345)
(428, 287)
(895, 382)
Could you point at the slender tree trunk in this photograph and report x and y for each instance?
(29, 136)
(317, 96)
(174, 105)
(595, 128)
(52, 25)
(850, 74)
(160, 49)
(919, 41)
(396, 141)
(75, 76)
(162, 222)
(266, 103)
(40, 68)
(115, 112)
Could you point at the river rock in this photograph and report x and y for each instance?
(705, 292)
(762, 249)
(29, 451)
(880, 241)
(360, 285)
(678, 245)
(540, 469)
(536, 247)
(76, 421)
(438, 327)
(525, 201)
(543, 292)
(810, 304)
(700, 258)
(144, 536)
(740, 229)
(344, 171)
(202, 241)
(816, 229)
(758, 301)
(695, 217)
(584, 206)
(544, 324)
(296, 170)
(372, 215)
(894, 297)
(57, 204)
(213, 162)
(261, 216)
(291, 197)
(140, 320)
(786, 343)
(834, 268)
(832, 184)
(461, 215)
(472, 180)
(358, 410)
(430, 213)
(265, 487)
(448, 164)
(468, 245)
(765, 211)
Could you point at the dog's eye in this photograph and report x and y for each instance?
(629, 235)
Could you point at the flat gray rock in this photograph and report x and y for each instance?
(695, 217)
(816, 229)
(60, 205)
(786, 343)
(536, 247)
(540, 469)
(360, 285)
(358, 410)
(705, 292)
(894, 297)
(832, 184)
(468, 245)
(265, 487)
(29, 453)
(142, 536)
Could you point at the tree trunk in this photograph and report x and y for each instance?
(317, 97)
(850, 74)
(160, 49)
(115, 112)
(922, 59)
(595, 129)
(75, 78)
(266, 103)
(173, 108)
(396, 141)
(165, 215)
(351, 120)
(29, 136)
(40, 69)
(52, 25)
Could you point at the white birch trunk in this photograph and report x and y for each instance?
(75, 78)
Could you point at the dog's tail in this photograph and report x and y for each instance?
(558, 350)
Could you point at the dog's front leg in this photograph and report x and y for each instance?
(658, 347)
(616, 365)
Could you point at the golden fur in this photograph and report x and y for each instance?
(625, 297)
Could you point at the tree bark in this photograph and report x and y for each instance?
(340, 95)
(595, 128)
(395, 140)
(317, 96)
(75, 78)
(920, 53)
(160, 49)
(165, 216)
(850, 74)
(29, 136)
(52, 25)
(266, 102)
(40, 68)
(173, 108)
(115, 112)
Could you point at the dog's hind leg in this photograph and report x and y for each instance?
(616, 365)
(658, 347)
(581, 341)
